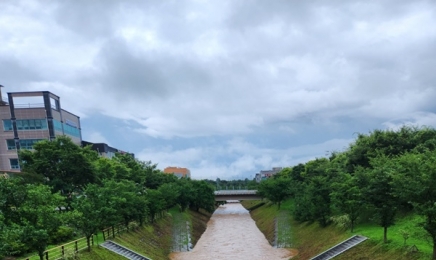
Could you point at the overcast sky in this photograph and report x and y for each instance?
(226, 88)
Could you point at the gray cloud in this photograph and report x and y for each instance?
(249, 69)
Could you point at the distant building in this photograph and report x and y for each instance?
(29, 117)
(177, 171)
(105, 150)
(265, 174)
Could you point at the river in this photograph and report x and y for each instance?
(232, 234)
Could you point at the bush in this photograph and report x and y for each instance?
(133, 225)
(63, 234)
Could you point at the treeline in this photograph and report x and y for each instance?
(245, 184)
(65, 190)
(379, 175)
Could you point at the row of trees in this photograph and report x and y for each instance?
(377, 176)
(66, 189)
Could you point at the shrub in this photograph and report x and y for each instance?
(63, 234)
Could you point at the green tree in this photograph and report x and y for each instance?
(186, 193)
(86, 216)
(415, 182)
(156, 203)
(379, 193)
(65, 166)
(203, 196)
(170, 192)
(39, 218)
(275, 189)
(347, 197)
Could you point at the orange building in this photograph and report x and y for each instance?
(178, 171)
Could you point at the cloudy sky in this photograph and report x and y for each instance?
(223, 87)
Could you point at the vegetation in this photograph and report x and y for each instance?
(66, 189)
(379, 176)
(378, 180)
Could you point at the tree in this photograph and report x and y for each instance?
(170, 192)
(415, 182)
(186, 191)
(275, 189)
(347, 197)
(379, 193)
(65, 166)
(86, 216)
(38, 217)
(203, 196)
(156, 205)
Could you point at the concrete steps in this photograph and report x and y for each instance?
(121, 250)
(340, 248)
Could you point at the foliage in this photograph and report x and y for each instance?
(275, 189)
(415, 182)
(65, 166)
(203, 196)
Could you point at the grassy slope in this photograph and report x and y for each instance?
(310, 239)
(153, 241)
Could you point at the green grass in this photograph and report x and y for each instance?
(310, 239)
(98, 253)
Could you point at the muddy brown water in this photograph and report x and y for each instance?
(232, 234)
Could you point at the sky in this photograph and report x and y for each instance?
(226, 88)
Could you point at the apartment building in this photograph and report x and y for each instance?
(29, 117)
(105, 150)
(265, 174)
(178, 171)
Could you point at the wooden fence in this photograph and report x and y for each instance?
(64, 251)
(72, 248)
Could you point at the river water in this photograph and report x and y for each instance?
(232, 234)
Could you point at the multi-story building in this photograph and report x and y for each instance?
(29, 117)
(265, 174)
(105, 150)
(178, 171)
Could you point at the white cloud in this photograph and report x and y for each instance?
(197, 69)
(95, 137)
(247, 158)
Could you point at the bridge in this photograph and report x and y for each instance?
(223, 195)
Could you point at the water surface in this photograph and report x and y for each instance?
(232, 234)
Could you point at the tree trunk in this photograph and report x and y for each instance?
(88, 243)
(352, 226)
(385, 234)
(279, 205)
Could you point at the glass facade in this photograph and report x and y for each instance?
(26, 124)
(68, 128)
(24, 143)
(41, 124)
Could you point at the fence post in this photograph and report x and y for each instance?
(92, 240)
(113, 231)
(63, 251)
(77, 248)
(104, 237)
(46, 255)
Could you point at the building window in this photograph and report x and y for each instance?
(7, 125)
(11, 144)
(14, 164)
(25, 124)
(24, 143)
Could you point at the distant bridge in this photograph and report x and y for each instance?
(223, 195)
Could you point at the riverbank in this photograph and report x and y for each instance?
(310, 239)
(154, 240)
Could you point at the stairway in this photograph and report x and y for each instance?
(121, 250)
(340, 248)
